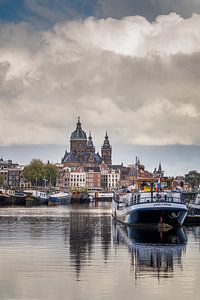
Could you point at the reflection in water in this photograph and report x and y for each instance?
(69, 253)
(153, 252)
(85, 230)
(77, 230)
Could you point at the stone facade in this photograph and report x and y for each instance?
(10, 173)
(82, 150)
(106, 151)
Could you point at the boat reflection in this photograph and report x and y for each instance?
(153, 252)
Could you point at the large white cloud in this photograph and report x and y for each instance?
(139, 80)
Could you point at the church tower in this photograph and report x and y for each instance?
(78, 141)
(106, 151)
(90, 145)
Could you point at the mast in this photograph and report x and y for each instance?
(136, 171)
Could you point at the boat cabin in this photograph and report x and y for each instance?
(151, 184)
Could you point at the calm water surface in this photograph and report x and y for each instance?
(78, 253)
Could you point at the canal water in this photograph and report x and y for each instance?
(78, 253)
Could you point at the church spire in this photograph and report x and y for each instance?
(159, 167)
(106, 142)
(78, 125)
(106, 150)
(90, 146)
(90, 142)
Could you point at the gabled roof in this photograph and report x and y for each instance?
(69, 158)
(95, 169)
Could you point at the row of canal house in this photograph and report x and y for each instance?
(96, 178)
(10, 173)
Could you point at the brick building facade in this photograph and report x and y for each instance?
(82, 150)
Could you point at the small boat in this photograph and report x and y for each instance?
(19, 198)
(36, 197)
(193, 215)
(5, 199)
(160, 206)
(60, 198)
(103, 196)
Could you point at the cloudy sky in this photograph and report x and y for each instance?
(130, 67)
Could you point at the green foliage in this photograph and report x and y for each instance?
(50, 174)
(34, 172)
(40, 174)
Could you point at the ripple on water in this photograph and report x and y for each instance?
(73, 253)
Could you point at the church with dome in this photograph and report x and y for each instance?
(82, 150)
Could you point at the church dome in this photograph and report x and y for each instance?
(78, 134)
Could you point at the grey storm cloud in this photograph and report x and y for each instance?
(139, 80)
(54, 11)
(148, 8)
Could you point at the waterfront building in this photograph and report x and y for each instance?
(14, 177)
(69, 178)
(93, 178)
(138, 171)
(193, 179)
(10, 172)
(77, 178)
(24, 183)
(63, 178)
(109, 177)
(159, 172)
(124, 174)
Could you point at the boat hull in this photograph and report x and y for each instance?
(162, 214)
(56, 200)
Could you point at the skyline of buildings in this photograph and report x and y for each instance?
(129, 68)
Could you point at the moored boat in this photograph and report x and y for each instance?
(103, 196)
(160, 206)
(193, 215)
(60, 198)
(36, 197)
(5, 199)
(19, 198)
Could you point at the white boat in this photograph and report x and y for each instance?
(150, 207)
(193, 215)
(101, 196)
(41, 196)
(62, 198)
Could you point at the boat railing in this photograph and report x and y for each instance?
(158, 198)
(137, 199)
